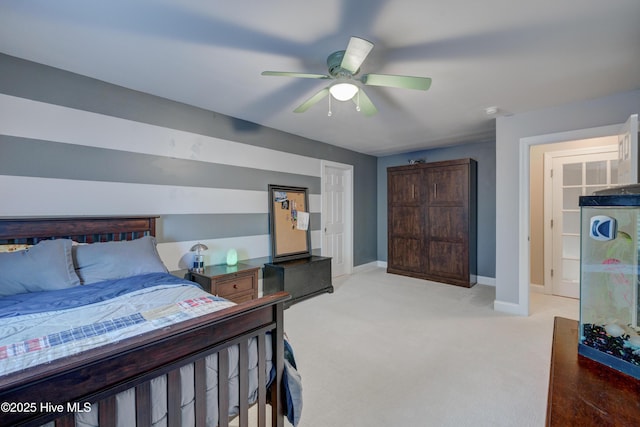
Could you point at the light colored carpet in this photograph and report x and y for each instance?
(387, 350)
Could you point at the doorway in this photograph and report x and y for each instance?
(337, 216)
(627, 137)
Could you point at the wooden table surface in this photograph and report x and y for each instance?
(583, 392)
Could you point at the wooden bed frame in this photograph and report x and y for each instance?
(99, 374)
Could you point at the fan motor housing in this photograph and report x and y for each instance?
(334, 63)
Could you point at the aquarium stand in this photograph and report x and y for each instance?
(609, 361)
(583, 392)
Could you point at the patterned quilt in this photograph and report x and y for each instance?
(89, 316)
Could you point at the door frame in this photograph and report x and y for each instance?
(348, 211)
(525, 193)
(547, 197)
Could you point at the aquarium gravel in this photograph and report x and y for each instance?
(595, 336)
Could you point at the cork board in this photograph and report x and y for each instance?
(289, 222)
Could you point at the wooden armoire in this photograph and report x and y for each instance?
(432, 221)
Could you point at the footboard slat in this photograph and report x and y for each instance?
(262, 391)
(143, 404)
(107, 412)
(277, 419)
(174, 398)
(243, 379)
(200, 384)
(223, 387)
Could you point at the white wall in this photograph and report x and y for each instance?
(510, 131)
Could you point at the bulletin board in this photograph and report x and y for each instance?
(289, 222)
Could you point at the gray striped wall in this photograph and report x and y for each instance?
(72, 145)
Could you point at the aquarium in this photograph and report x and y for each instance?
(609, 259)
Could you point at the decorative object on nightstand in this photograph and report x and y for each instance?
(198, 258)
(236, 283)
(232, 257)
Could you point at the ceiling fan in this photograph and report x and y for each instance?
(344, 65)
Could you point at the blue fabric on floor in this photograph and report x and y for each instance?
(293, 386)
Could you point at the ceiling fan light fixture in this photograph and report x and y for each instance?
(343, 91)
(343, 65)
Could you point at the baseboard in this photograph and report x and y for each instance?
(510, 308)
(488, 281)
(536, 289)
(369, 266)
(481, 280)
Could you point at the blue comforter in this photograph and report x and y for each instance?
(62, 299)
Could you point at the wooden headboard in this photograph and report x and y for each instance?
(81, 229)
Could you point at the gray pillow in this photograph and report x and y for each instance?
(46, 266)
(116, 260)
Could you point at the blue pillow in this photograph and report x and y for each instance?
(98, 262)
(43, 267)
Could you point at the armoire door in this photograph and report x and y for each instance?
(447, 221)
(404, 195)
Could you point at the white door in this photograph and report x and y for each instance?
(573, 176)
(336, 217)
(628, 151)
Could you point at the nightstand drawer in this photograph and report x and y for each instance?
(243, 297)
(235, 286)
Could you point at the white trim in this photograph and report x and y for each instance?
(522, 307)
(368, 267)
(628, 148)
(511, 308)
(488, 281)
(537, 288)
(481, 280)
(547, 214)
(348, 210)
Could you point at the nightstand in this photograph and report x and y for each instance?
(236, 283)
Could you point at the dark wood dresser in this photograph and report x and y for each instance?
(583, 392)
(301, 278)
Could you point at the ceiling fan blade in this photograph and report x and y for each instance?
(354, 56)
(366, 106)
(311, 101)
(293, 74)
(404, 82)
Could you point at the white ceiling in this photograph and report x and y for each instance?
(519, 56)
